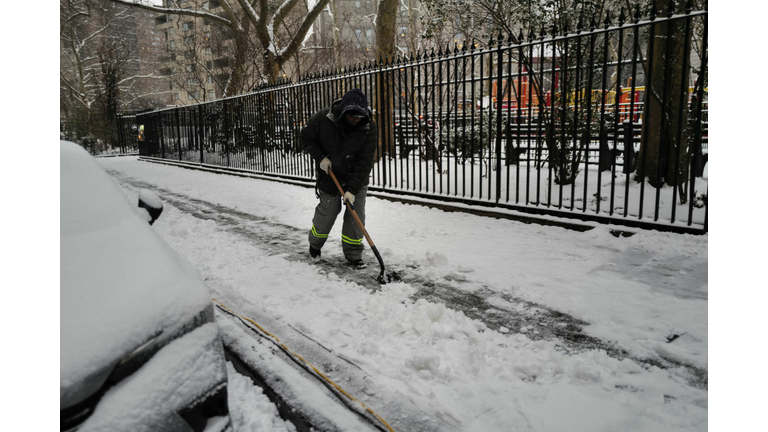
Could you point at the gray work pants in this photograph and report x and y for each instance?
(326, 212)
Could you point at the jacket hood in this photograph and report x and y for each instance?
(352, 101)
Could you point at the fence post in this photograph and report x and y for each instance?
(629, 147)
(178, 131)
(120, 132)
(499, 97)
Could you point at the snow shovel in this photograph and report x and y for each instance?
(383, 277)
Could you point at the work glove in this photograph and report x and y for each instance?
(349, 197)
(325, 164)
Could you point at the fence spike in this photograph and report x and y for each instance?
(622, 16)
(637, 13)
(670, 9)
(654, 12)
(531, 35)
(607, 21)
(688, 7)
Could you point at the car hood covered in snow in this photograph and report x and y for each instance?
(121, 285)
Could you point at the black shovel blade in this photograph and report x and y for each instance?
(385, 276)
(388, 277)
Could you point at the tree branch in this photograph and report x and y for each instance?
(176, 11)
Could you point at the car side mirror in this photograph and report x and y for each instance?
(149, 201)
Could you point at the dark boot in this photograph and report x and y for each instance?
(314, 253)
(357, 263)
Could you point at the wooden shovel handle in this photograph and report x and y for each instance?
(352, 209)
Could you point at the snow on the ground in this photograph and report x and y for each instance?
(634, 292)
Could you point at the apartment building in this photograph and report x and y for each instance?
(196, 59)
(110, 36)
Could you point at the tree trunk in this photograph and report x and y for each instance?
(336, 30)
(236, 78)
(385, 50)
(412, 27)
(665, 112)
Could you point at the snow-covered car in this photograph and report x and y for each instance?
(140, 350)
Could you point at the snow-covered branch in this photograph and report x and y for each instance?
(175, 11)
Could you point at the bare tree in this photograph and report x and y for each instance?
(99, 74)
(278, 37)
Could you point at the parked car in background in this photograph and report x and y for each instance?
(140, 350)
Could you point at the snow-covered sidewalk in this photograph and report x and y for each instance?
(428, 366)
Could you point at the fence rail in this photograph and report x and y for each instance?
(595, 125)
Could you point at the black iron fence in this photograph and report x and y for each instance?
(606, 124)
(128, 139)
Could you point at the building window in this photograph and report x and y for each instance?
(357, 3)
(209, 65)
(211, 94)
(210, 79)
(206, 6)
(194, 95)
(191, 68)
(172, 45)
(191, 82)
(208, 52)
(189, 25)
(189, 40)
(176, 97)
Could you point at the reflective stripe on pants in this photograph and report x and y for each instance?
(327, 211)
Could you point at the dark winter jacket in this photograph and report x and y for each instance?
(350, 149)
